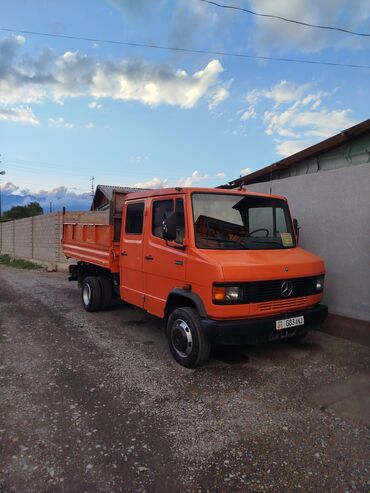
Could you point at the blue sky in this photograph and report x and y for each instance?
(71, 109)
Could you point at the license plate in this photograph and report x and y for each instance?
(289, 322)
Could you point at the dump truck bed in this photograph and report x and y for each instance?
(89, 237)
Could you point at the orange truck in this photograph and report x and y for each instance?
(217, 266)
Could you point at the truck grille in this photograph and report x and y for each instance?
(263, 291)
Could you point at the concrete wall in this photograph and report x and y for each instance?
(34, 238)
(333, 209)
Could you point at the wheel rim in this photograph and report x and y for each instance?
(86, 294)
(181, 338)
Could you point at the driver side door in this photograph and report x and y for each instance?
(164, 266)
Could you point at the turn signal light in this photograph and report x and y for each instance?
(219, 293)
(227, 294)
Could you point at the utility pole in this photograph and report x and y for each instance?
(1, 173)
(51, 207)
(92, 186)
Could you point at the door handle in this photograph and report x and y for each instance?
(149, 257)
(124, 254)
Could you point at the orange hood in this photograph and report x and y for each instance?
(248, 265)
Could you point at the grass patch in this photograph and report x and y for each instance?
(18, 263)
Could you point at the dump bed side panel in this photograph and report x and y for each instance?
(92, 243)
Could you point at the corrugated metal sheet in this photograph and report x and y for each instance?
(107, 190)
(104, 194)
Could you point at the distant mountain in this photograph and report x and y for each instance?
(59, 197)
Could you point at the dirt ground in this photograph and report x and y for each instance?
(94, 403)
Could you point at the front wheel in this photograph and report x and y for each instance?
(186, 338)
(106, 292)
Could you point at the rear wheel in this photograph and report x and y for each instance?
(91, 294)
(186, 338)
(106, 292)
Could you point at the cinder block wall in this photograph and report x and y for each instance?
(7, 237)
(34, 238)
(46, 237)
(23, 238)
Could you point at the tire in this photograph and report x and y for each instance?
(91, 293)
(106, 292)
(187, 340)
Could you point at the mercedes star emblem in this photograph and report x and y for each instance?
(287, 288)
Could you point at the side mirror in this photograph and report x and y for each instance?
(173, 228)
(296, 229)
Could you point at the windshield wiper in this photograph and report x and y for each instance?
(220, 240)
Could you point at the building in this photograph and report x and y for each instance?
(328, 188)
(104, 194)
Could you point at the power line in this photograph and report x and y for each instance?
(187, 50)
(301, 23)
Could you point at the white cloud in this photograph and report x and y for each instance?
(285, 92)
(296, 122)
(89, 125)
(59, 196)
(59, 122)
(94, 105)
(21, 81)
(246, 115)
(8, 188)
(295, 115)
(189, 181)
(153, 183)
(191, 19)
(18, 115)
(151, 85)
(221, 175)
(74, 74)
(296, 37)
(282, 92)
(289, 147)
(245, 171)
(219, 95)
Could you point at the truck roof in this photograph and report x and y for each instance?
(188, 190)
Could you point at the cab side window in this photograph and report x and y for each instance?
(134, 218)
(161, 209)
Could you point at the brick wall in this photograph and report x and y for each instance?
(34, 238)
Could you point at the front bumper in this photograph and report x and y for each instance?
(258, 330)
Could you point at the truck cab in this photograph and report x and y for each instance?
(219, 267)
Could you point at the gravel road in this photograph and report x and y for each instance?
(94, 403)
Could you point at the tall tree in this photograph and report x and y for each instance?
(21, 211)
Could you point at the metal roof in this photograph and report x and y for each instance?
(309, 152)
(107, 190)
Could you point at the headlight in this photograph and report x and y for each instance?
(227, 294)
(319, 284)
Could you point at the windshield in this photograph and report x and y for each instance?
(235, 222)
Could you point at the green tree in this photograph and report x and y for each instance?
(21, 211)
